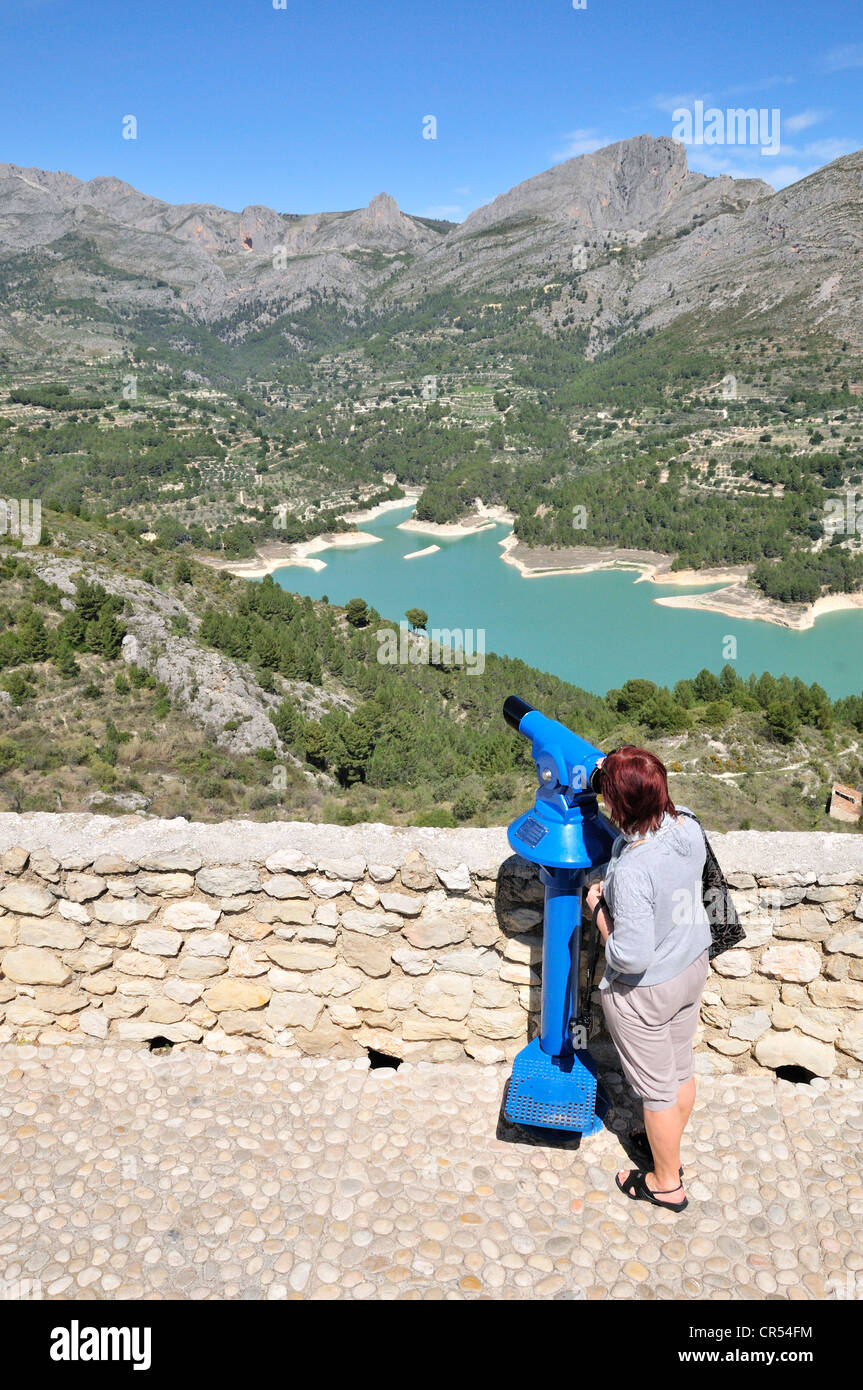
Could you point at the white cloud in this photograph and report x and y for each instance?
(850, 55)
(581, 142)
(804, 120)
(818, 152)
(740, 163)
(827, 150)
(747, 162)
(787, 174)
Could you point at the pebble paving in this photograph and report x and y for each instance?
(131, 1174)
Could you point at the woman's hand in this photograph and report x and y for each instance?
(600, 916)
(593, 895)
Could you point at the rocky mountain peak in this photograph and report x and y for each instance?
(623, 185)
(384, 209)
(700, 237)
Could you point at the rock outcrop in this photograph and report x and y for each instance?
(219, 695)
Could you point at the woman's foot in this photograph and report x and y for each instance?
(675, 1195)
(670, 1197)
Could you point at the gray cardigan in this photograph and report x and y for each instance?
(654, 893)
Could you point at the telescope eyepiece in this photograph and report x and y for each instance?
(594, 781)
(514, 710)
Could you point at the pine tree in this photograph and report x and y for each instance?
(64, 661)
(33, 637)
(288, 723)
(356, 612)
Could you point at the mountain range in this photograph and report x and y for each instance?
(627, 237)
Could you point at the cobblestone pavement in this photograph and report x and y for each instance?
(127, 1174)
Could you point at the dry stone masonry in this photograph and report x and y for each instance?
(421, 944)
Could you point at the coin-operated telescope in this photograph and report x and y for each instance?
(553, 1081)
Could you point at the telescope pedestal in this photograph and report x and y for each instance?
(553, 1085)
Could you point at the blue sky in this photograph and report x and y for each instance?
(320, 105)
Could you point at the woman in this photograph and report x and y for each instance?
(650, 915)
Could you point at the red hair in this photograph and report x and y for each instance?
(635, 789)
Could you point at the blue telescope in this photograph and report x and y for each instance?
(553, 1083)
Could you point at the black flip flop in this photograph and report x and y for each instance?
(639, 1140)
(635, 1187)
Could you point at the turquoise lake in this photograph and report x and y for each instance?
(593, 629)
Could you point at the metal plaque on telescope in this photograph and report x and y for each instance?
(531, 832)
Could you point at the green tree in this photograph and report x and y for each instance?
(357, 612)
(465, 805)
(289, 723)
(663, 714)
(106, 635)
(64, 660)
(633, 695)
(783, 721)
(316, 742)
(353, 745)
(418, 619)
(17, 687)
(89, 599)
(33, 637)
(707, 686)
(108, 751)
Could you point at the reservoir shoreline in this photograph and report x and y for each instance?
(271, 558)
(734, 598)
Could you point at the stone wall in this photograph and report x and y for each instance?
(421, 944)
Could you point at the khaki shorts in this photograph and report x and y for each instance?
(652, 1027)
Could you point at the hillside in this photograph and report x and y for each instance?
(133, 681)
(617, 326)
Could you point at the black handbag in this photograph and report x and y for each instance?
(725, 928)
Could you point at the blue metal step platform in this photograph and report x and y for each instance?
(555, 1092)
